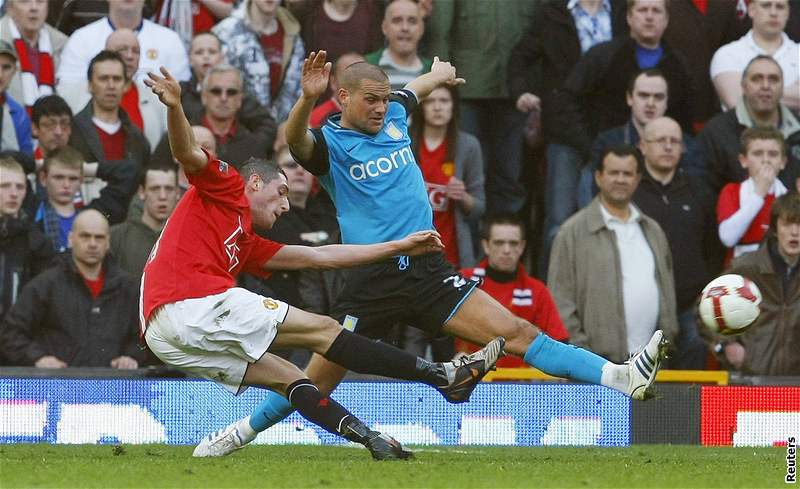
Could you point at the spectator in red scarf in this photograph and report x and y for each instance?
(37, 45)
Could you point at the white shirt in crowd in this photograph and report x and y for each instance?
(159, 46)
(639, 285)
(734, 56)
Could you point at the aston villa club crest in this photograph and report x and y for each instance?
(393, 132)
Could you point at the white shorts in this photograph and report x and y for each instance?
(218, 336)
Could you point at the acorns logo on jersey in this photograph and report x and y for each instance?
(382, 165)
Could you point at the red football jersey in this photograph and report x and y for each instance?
(728, 204)
(207, 241)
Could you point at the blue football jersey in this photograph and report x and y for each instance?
(373, 179)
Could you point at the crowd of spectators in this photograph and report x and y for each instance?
(667, 133)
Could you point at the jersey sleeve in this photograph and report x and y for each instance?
(261, 252)
(728, 202)
(318, 164)
(218, 181)
(405, 97)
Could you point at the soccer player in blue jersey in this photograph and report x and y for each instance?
(363, 159)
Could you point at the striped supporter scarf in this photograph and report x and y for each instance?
(33, 89)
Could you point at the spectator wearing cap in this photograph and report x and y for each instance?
(38, 47)
(160, 46)
(15, 127)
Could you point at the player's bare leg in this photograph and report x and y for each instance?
(481, 317)
(281, 376)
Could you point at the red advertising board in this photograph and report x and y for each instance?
(749, 416)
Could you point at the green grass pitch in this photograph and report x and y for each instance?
(107, 466)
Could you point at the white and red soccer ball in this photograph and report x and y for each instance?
(730, 304)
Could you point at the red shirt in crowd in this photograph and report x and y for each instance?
(525, 297)
(322, 111)
(222, 139)
(206, 243)
(728, 204)
(95, 286)
(130, 104)
(437, 172)
(113, 144)
(272, 45)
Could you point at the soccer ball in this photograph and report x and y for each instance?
(730, 304)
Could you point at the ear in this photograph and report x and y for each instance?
(629, 98)
(344, 96)
(485, 246)
(141, 192)
(743, 161)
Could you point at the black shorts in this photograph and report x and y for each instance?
(421, 291)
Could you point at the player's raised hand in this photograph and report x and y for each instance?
(446, 71)
(166, 88)
(316, 72)
(421, 242)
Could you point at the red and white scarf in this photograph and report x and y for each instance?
(33, 89)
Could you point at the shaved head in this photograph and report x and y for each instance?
(353, 75)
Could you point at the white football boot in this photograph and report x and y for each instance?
(222, 442)
(643, 367)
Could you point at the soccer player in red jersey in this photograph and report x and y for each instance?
(194, 317)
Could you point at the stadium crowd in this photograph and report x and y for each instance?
(626, 151)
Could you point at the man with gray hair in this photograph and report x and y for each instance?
(221, 95)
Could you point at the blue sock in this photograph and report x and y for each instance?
(562, 360)
(271, 410)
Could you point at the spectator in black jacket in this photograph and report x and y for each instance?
(24, 251)
(593, 100)
(204, 54)
(759, 105)
(684, 208)
(82, 312)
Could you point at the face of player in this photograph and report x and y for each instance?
(107, 84)
(204, 54)
(364, 109)
(125, 43)
(618, 179)
(648, 21)
(61, 183)
(761, 153)
(89, 238)
(267, 200)
(298, 178)
(789, 238)
(12, 192)
(222, 97)
(53, 131)
(762, 86)
(663, 145)
(160, 194)
(438, 108)
(504, 247)
(769, 16)
(8, 66)
(28, 15)
(402, 26)
(648, 100)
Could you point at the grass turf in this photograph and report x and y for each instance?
(107, 466)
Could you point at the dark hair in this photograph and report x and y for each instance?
(268, 170)
(761, 57)
(787, 207)
(106, 55)
(762, 133)
(501, 219)
(622, 151)
(50, 105)
(650, 73)
(417, 128)
(157, 165)
(632, 3)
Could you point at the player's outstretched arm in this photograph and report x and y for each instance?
(441, 72)
(181, 138)
(316, 72)
(342, 256)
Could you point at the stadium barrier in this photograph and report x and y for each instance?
(100, 406)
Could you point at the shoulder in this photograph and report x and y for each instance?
(57, 38)
(89, 32)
